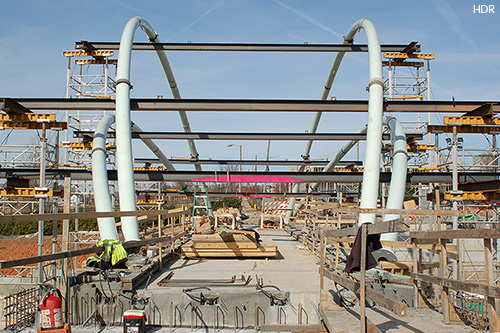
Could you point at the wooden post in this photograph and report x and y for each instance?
(339, 225)
(172, 221)
(443, 272)
(160, 245)
(65, 243)
(488, 263)
(416, 297)
(183, 222)
(314, 238)
(322, 261)
(362, 282)
(66, 208)
(450, 315)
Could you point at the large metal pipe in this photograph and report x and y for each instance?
(397, 186)
(102, 197)
(124, 155)
(371, 173)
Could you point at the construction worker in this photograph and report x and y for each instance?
(114, 255)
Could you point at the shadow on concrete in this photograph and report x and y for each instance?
(393, 323)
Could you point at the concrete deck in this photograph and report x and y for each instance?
(295, 269)
(417, 320)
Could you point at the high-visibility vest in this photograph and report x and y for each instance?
(114, 253)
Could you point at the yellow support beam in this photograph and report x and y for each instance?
(97, 95)
(26, 192)
(473, 196)
(30, 121)
(26, 117)
(413, 148)
(397, 55)
(347, 170)
(95, 62)
(149, 168)
(404, 97)
(470, 120)
(32, 125)
(96, 53)
(149, 202)
(83, 145)
(463, 129)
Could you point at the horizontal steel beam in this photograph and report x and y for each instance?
(241, 136)
(258, 194)
(244, 105)
(245, 162)
(244, 47)
(250, 176)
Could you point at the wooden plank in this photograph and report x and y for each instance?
(396, 225)
(462, 233)
(326, 302)
(230, 254)
(409, 245)
(396, 307)
(493, 318)
(402, 212)
(231, 231)
(472, 287)
(66, 209)
(322, 262)
(62, 216)
(217, 238)
(69, 254)
(232, 245)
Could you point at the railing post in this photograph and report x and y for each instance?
(362, 282)
(493, 318)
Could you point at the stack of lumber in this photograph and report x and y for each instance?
(397, 267)
(229, 244)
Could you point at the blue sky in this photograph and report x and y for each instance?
(33, 35)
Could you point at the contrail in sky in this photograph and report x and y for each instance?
(198, 19)
(310, 19)
(454, 22)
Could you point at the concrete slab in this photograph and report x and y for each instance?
(295, 269)
(417, 320)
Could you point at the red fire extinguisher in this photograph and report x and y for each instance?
(51, 309)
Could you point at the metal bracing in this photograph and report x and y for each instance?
(241, 136)
(245, 162)
(245, 47)
(244, 105)
(249, 176)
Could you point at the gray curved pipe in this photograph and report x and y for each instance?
(102, 197)
(123, 130)
(124, 157)
(397, 186)
(371, 173)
